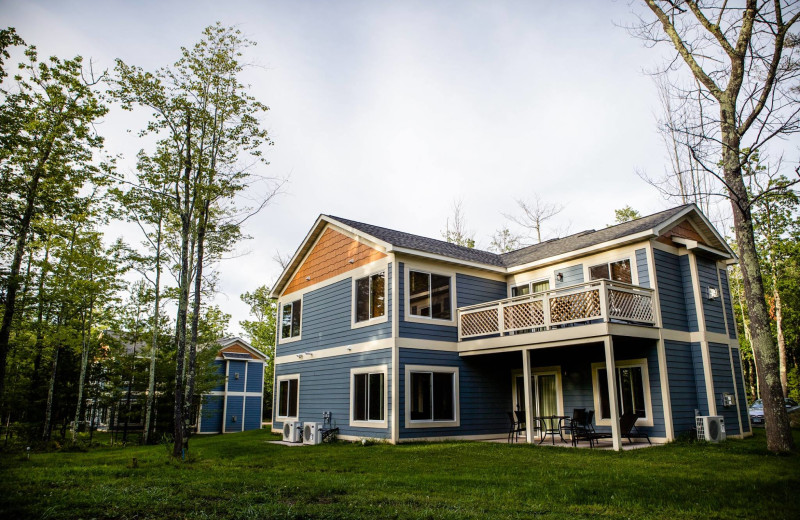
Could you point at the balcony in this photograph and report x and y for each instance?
(591, 302)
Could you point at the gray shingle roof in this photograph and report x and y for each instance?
(525, 255)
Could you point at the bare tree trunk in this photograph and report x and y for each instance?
(151, 385)
(183, 301)
(198, 285)
(50, 392)
(782, 359)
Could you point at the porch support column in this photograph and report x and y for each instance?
(613, 394)
(526, 377)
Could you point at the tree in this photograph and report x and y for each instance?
(48, 143)
(455, 230)
(211, 137)
(739, 98)
(534, 215)
(625, 214)
(504, 240)
(260, 332)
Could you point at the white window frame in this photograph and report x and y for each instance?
(372, 321)
(291, 339)
(407, 296)
(529, 284)
(456, 398)
(648, 405)
(278, 380)
(377, 369)
(611, 260)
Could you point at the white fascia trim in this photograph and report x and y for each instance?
(447, 259)
(585, 251)
(425, 344)
(694, 244)
(694, 209)
(358, 348)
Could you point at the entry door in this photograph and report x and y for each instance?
(546, 392)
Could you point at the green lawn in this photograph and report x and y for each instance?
(243, 476)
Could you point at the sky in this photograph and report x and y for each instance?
(388, 112)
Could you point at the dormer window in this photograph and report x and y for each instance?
(619, 271)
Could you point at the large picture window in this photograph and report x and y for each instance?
(288, 394)
(632, 390)
(433, 396)
(429, 295)
(370, 296)
(290, 320)
(619, 271)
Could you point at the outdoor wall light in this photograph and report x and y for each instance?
(308, 278)
(351, 261)
(560, 277)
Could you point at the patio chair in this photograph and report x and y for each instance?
(574, 423)
(516, 427)
(628, 429)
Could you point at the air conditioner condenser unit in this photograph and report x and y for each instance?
(710, 428)
(291, 431)
(312, 433)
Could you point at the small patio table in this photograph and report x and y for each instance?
(551, 425)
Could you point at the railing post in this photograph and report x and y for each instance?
(546, 310)
(603, 300)
(500, 320)
(458, 318)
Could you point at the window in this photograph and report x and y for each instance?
(370, 297)
(369, 396)
(290, 320)
(288, 387)
(429, 295)
(433, 396)
(619, 271)
(529, 288)
(632, 390)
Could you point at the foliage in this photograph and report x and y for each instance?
(625, 214)
(260, 332)
(504, 240)
(250, 478)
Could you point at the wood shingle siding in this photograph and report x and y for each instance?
(641, 268)
(723, 383)
(327, 319)
(671, 290)
(325, 386)
(712, 309)
(331, 257)
(682, 388)
(682, 230)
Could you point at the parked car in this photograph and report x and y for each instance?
(757, 409)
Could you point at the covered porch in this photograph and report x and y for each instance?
(608, 377)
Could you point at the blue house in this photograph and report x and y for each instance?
(402, 337)
(236, 404)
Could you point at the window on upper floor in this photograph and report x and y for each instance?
(619, 271)
(370, 296)
(429, 295)
(530, 288)
(288, 396)
(290, 320)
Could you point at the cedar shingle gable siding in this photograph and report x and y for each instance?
(237, 349)
(331, 257)
(682, 230)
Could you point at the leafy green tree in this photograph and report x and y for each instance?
(49, 144)
(625, 214)
(260, 332)
(504, 240)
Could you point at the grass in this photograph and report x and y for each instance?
(244, 476)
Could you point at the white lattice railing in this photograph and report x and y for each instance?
(597, 300)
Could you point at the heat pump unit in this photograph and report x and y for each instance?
(291, 431)
(312, 433)
(710, 428)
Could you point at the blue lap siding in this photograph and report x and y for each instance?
(252, 413)
(682, 388)
(572, 275)
(236, 384)
(641, 268)
(671, 290)
(712, 309)
(327, 319)
(325, 386)
(699, 378)
(233, 413)
(723, 383)
(255, 376)
(211, 414)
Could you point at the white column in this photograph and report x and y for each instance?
(613, 394)
(526, 376)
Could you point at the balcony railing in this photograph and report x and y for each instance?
(599, 300)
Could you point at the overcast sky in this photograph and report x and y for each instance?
(385, 112)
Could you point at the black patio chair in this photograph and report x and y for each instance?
(574, 423)
(628, 429)
(516, 427)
